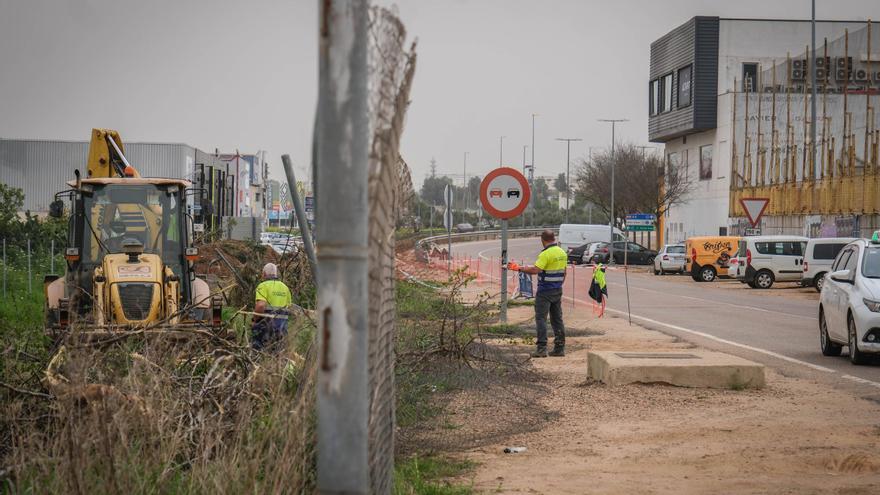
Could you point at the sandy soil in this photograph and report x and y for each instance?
(795, 436)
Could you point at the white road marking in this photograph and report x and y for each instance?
(861, 380)
(710, 301)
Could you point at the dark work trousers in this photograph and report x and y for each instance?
(549, 301)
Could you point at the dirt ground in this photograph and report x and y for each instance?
(794, 436)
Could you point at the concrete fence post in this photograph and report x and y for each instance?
(342, 234)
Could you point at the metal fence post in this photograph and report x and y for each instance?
(52, 257)
(4, 267)
(304, 230)
(30, 277)
(342, 228)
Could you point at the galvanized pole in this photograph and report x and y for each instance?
(613, 216)
(342, 170)
(466, 190)
(502, 313)
(304, 230)
(811, 64)
(4, 267)
(501, 151)
(30, 276)
(52, 257)
(567, 172)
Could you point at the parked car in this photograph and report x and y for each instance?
(849, 305)
(629, 252)
(594, 249)
(708, 257)
(576, 254)
(574, 235)
(464, 227)
(818, 257)
(670, 259)
(771, 258)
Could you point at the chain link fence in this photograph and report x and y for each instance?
(392, 66)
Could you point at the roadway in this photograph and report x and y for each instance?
(778, 330)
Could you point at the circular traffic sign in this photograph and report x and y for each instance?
(504, 193)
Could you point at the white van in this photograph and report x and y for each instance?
(572, 235)
(818, 257)
(771, 258)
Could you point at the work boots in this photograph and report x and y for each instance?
(558, 351)
(540, 352)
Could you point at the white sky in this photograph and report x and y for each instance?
(238, 74)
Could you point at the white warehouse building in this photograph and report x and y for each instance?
(694, 71)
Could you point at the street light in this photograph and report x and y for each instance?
(568, 172)
(613, 216)
(466, 190)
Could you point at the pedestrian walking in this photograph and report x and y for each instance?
(599, 290)
(550, 269)
(272, 300)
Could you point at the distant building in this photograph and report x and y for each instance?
(703, 72)
(40, 168)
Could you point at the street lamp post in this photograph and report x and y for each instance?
(568, 172)
(467, 191)
(532, 199)
(613, 216)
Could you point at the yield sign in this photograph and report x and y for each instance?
(754, 208)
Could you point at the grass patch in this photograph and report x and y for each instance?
(521, 302)
(431, 476)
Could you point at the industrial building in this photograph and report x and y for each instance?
(233, 184)
(703, 73)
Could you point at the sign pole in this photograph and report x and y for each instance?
(626, 275)
(503, 312)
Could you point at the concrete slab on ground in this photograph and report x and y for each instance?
(685, 368)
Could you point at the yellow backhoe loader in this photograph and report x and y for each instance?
(129, 255)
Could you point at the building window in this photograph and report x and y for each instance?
(684, 86)
(654, 97)
(706, 162)
(667, 93)
(750, 76)
(672, 164)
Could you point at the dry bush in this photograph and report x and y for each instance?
(149, 415)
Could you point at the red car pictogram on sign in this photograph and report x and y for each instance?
(496, 193)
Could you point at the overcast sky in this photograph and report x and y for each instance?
(237, 74)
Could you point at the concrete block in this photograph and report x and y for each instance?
(685, 368)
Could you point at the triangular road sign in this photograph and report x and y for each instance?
(754, 208)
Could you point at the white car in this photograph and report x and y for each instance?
(771, 258)
(849, 305)
(670, 259)
(572, 235)
(818, 257)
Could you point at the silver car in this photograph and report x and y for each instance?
(670, 259)
(849, 305)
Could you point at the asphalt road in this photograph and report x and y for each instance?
(778, 331)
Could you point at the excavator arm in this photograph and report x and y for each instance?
(107, 156)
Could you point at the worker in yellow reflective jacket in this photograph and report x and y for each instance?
(550, 269)
(271, 310)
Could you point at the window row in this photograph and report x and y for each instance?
(660, 91)
(676, 159)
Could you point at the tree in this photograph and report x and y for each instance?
(540, 191)
(638, 181)
(432, 189)
(473, 191)
(560, 183)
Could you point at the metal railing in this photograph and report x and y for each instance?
(482, 235)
